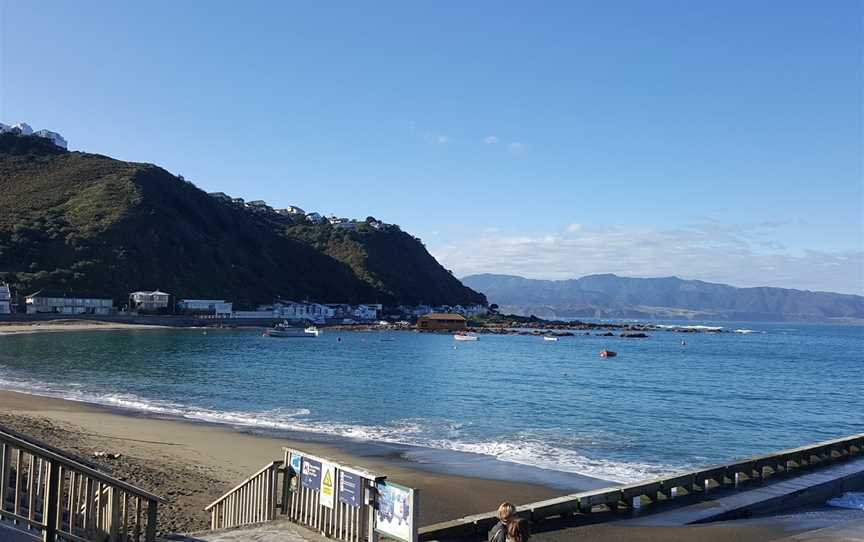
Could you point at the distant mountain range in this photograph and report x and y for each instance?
(611, 296)
(74, 223)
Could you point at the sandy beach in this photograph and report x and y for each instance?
(65, 325)
(192, 464)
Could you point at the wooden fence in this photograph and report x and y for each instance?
(252, 501)
(645, 493)
(342, 521)
(276, 488)
(52, 496)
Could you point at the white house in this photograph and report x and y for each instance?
(315, 218)
(365, 312)
(149, 301)
(55, 138)
(39, 303)
(219, 307)
(292, 310)
(291, 210)
(5, 299)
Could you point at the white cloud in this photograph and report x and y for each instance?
(732, 254)
(490, 140)
(442, 140)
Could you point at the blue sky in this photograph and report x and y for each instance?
(719, 141)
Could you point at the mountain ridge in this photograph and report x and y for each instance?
(613, 296)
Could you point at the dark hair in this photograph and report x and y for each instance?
(518, 530)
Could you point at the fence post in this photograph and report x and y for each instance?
(373, 506)
(50, 510)
(150, 532)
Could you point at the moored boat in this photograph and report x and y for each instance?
(607, 353)
(465, 337)
(550, 338)
(285, 329)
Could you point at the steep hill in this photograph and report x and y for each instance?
(612, 296)
(74, 222)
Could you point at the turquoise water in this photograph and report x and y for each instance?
(656, 408)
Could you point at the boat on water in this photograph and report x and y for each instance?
(550, 338)
(465, 337)
(285, 329)
(607, 353)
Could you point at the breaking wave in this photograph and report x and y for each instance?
(525, 449)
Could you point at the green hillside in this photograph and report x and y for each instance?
(78, 223)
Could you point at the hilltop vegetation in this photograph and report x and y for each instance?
(79, 223)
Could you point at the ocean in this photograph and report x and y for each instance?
(657, 408)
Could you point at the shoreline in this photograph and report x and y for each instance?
(211, 458)
(63, 325)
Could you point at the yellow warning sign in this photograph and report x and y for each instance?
(328, 485)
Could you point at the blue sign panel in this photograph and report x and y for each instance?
(295, 463)
(350, 487)
(310, 474)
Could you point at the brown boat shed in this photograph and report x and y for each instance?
(441, 321)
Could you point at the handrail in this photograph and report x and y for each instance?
(243, 483)
(582, 502)
(67, 462)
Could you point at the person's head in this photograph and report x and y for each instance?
(518, 530)
(506, 511)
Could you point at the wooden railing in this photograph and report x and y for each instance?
(254, 500)
(52, 496)
(276, 488)
(662, 489)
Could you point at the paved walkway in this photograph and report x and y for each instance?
(810, 488)
(274, 531)
(851, 531)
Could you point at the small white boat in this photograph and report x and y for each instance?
(465, 337)
(287, 330)
(550, 338)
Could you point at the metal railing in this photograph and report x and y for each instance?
(254, 500)
(48, 494)
(636, 495)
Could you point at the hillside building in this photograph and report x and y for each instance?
(45, 303)
(5, 299)
(438, 321)
(154, 301)
(221, 196)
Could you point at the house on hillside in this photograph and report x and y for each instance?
(238, 201)
(315, 218)
(150, 301)
(215, 307)
(221, 196)
(50, 303)
(439, 321)
(259, 205)
(292, 210)
(5, 299)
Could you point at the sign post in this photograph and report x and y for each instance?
(328, 485)
(396, 515)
